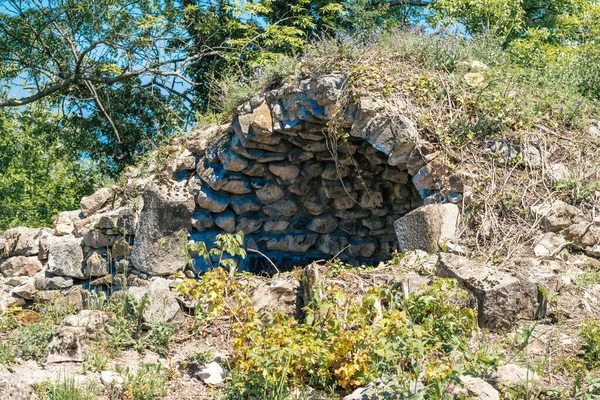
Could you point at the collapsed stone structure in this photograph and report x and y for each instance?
(302, 176)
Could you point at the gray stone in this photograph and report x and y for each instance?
(21, 241)
(202, 220)
(13, 386)
(65, 257)
(226, 221)
(426, 227)
(293, 243)
(97, 239)
(248, 225)
(93, 321)
(473, 388)
(212, 374)
(312, 169)
(287, 172)
(95, 265)
(270, 193)
(550, 245)
(232, 161)
(325, 224)
(395, 175)
(162, 303)
(558, 215)
(71, 299)
(245, 204)
(63, 224)
(334, 172)
(315, 207)
(275, 226)
(501, 298)
(212, 201)
(26, 291)
(53, 283)
(332, 244)
(257, 170)
(67, 345)
(20, 266)
(90, 204)
(278, 295)
(511, 375)
(281, 208)
(237, 186)
(164, 222)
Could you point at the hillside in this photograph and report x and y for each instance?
(399, 218)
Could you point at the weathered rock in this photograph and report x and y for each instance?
(21, 242)
(26, 291)
(426, 227)
(322, 224)
(212, 374)
(67, 345)
(95, 265)
(90, 204)
(111, 379)
(69, 300)
(66, 257)
(293, 243)
(270, 193)
(550, 245)
(53, 283)
(237, 186)
(558, 215)
(162, 303)
(281, 209)
(475, 388)
(275, 226)
(232, 161)
(162, 230)
(285, 171)
(202, 220)
(97, 239)
(501, 298)
(245, 204)
(13, 387)
(212, 201)
(277, 295)
(63, 224)
(93, 321)
(249, 225)
(226, 221)
(511, 375)
(20, 266)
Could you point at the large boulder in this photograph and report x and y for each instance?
(65, 257)
(426, 227)
(501, 298)
(162, 305)
(164, 221)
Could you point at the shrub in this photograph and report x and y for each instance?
(7, 354)
(590, 346)
(66, 389)
(32, 340)
(158, 338)
(148, 383)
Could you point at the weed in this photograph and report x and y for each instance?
(7, 353)
(158, 338)
(66, 389)
(590, 346)
(32, 341)
(94, 362)
(148, 383)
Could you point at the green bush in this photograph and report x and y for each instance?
(7, 353)
(590, 345)
(32, 341)
(148, 383)
(66, 389)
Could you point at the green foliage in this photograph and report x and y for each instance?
(7, 353)
(66, 389)
(590, 345)
(349, 341)
(158, 338)
(148, 383)
(94, 361)
(31, 341)
(226, 248)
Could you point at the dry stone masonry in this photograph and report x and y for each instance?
(303, 177)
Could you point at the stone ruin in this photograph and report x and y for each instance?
(303, 177)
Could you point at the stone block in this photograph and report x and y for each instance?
(427, 226)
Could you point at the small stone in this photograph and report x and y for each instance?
(232, 161)
(292, 243)
(202, 220)
(511, 375)
(285, 171)
(244, 204)
(90, 204)
(53, 283)
(270, 193)
(212, 201)
(256, 170)
(111, 379)
(332, 244)
(558, 215)
(281, 208)
(249, 225)
(92, 320)
(549, 245)
(95, 265)
(226, 221)
(212, 374)
(275, 226)
(326, 224)
(237, 186)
